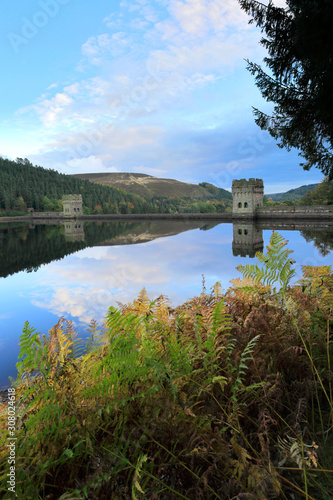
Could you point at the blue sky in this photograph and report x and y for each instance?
(158, 87)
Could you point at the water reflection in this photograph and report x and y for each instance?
(247, 239)
(26, 247)
(322, 240)
(74, 231)
(320, 233)
(95, 265)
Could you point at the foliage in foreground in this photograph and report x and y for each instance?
(228, 396)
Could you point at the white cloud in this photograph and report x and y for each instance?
(142, 74)
(99, 48)
(79, 103)
(197, 17)
(110, 142)
(52, 86)
(206, 37)
(95, 253)
(73, 89)
(50, 110)
(89, 164)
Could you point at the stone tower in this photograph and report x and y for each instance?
(247, 196)
(72, 205)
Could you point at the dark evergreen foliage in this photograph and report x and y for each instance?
(23, 184)
(219, 193)
(299, 79)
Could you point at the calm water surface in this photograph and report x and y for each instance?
(78, 271)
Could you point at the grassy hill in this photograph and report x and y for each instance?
(148, 186)
(23, 185)
(293, 194)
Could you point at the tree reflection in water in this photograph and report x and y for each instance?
(26, 247)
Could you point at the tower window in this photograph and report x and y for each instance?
(239, 205)
(245, 231)
(239, 231)
(245, 205)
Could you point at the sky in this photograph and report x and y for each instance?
(158, 87)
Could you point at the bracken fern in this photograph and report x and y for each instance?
(276, 264)
(217, 398)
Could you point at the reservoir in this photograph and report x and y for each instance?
(78, 269)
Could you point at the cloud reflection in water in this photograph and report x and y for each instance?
(86, 283)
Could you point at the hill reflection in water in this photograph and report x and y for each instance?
(26, 247)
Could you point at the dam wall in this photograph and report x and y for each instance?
(291, 213)
(296, 212)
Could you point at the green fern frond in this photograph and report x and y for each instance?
(137, 476)
(276, 264)
(31, 352)
(93, 339)
(118, 322)
(217, 324)
(243, 367)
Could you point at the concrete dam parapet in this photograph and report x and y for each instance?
(248, 204)
(296, 212)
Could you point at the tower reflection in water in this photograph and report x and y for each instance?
(74, 230)
(247, 239)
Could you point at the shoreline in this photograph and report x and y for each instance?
(117, 217)
(292, 213)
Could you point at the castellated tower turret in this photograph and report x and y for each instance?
(72, 205)
(247, 196)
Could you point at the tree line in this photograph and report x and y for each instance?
(322, 194)
(24, 186)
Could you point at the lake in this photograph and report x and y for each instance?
(78, 270)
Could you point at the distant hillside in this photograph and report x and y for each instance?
(293, 194)
(218, 193)
(321, 195)
(148, 186)
(23, 186)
